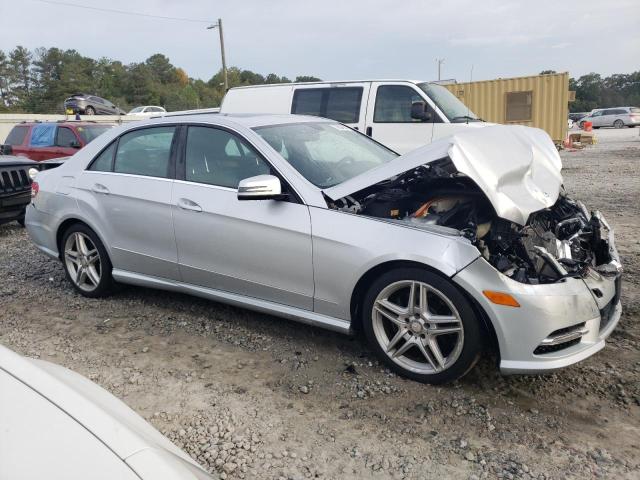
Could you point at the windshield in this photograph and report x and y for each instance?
(326, 154)
(137, 110)
(448, 103)
(91, 132)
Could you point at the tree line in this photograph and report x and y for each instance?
(39, 81)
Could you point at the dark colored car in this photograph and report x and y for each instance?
(16, 175)
(44, 140)
(575, 116)
(86, 104)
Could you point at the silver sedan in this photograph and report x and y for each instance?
(467, 243)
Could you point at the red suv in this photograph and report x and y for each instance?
(44, 140)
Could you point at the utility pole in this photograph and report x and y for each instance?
(439, 61)
(224, 61)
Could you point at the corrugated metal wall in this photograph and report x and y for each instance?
(550, 100)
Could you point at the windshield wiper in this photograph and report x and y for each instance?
(466, 117)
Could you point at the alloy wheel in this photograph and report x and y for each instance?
(82, 260)
(418, 327)
(618, 124)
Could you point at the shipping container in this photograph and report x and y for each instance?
(540, 101)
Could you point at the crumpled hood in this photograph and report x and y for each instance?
(517, 168)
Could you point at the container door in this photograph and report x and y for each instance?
(389, 119)
(342, 102)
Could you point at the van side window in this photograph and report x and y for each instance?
(393, 104)
(341, 104)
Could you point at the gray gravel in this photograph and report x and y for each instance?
(252, 396)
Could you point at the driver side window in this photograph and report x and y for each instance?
(393, 105)
(217, 157)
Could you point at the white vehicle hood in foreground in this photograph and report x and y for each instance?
(517, 168)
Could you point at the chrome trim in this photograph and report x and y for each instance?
(251, 303)
(564, 337)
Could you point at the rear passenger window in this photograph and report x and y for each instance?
(43, 135)
(104, 161)
(145, 152)
(341, 104)
(65, 137)
(217, 157)
(16, 136)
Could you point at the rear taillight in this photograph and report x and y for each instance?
(35, 188)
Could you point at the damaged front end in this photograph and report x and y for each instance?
(560, 241)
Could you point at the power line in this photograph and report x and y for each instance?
(121, 12)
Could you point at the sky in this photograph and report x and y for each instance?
(343, 39)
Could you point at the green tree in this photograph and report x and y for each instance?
(307, 78)
(19, 75)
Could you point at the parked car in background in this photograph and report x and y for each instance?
(575, 116)
(16, 175)
(618, 117)
(401, 114)
(429, 253)
(44, 140)
(147, 111)
(57, 424)
(86, 104)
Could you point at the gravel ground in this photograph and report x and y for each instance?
(253, 396)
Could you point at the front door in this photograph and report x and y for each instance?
(126, 192)
(257, 248)
(389, 119)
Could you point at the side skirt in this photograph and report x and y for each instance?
(251, 303)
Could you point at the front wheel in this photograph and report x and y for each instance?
(89, 111)
(86, 263)
(618, 124)
(421, 326)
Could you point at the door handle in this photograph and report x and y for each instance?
(186, 204)
(369, 131)
(99, 188)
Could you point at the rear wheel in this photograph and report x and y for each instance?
(86, 263)
(421, 326)
(618, 124)
(581, 125)
(89, 111)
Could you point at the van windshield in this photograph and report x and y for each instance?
(325, 153)
(448, 103)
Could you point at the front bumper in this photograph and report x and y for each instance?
(12, 206)
(556, 324)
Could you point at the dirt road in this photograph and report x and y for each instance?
(252, 396)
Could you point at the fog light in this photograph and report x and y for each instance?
(32, 173)
(501, 298)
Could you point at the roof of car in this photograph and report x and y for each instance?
(66, 123)
(324, 82)
(249, 120)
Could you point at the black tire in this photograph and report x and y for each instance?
(106, 284)
(618, 124)
(89, 111)
(472, 333)
(21, 222)
(581, 125)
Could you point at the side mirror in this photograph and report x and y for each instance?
(260, 187)
(75, 144)
(419, 111)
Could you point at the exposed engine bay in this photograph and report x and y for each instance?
(565, 240)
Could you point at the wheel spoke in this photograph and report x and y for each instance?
(72, 256)
(93, 276)
(442, 319)
(396, 338)
(391, 311)
(82, 244)
(426, 355)
(434, 348)
(80, 275)
(407, 345)
(423, 304)
(92, 256)
(444, 330)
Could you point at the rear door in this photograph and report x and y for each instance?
(342, 102)
(42, 142)
(256, 248)
(67, 142)
(389, 121)
(126, 192)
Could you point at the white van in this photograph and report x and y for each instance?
(401, 114)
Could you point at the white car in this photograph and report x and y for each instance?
(147, 111)
(58, 425)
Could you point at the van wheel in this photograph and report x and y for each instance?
(618, 124)
(421, 326)
(86, 263)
